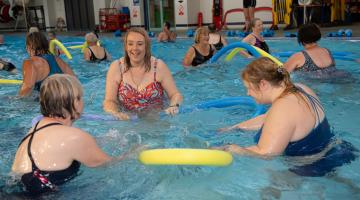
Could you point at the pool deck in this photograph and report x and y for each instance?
(355, 27)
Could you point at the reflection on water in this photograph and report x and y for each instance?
(246, 178)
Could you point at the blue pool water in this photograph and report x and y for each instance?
(246, 178)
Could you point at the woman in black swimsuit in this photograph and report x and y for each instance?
(51, 153)
(255, 38)
(215, 38)
(202, 51)
(94, 53)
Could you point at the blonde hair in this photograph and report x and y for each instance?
(147, 58)
(58, 94)
(91, 38)
(253, 22)
(199, 31)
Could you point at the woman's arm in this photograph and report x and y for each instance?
(276, 134)
(86, 151)
(111, 102)
(87, 54)
(248, 125)
(294, 62)
(189, 56)
(168, 83)
(64, 66)
(108, 56)
(249, 40)
(29, 78)
(172, 36)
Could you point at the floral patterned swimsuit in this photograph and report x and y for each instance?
(134, 100)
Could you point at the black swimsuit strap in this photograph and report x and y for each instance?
(31, 138)
(92, 57)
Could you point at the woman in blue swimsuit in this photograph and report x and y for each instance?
(51, 153)
(294, 125)
(40, 65)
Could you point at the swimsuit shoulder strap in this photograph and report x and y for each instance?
(121, 66)
(331, 56)
(105, 55)
(155, 66)
(92, 53)
(314, 102)
(196, 51)
(31, 138)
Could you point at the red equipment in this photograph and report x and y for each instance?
(200, 19)
(4, 13)
(257, 9)
(217, 13)
(111, 20)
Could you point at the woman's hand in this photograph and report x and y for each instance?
(172, 110)
(121, 116)
(226, 129)
(232, 148)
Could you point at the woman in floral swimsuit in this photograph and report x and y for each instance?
(138, 81)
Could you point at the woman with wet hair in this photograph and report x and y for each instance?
(93, 52)
(53, 150)
(255, 38)
(294, 125)
(201, 51)
(138, 82)
(314, 62)
(215, 38)
(41, 64)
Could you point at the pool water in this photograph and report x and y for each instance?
(245, 178)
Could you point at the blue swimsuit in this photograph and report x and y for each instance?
(315, 142)
(54, 69)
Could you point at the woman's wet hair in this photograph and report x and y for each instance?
(199, 32)
(147, 58)
(265, 69)
(37, 42)
(58, 94)
(212, 28)
(308, 33)
(91, 37)
(167, 25)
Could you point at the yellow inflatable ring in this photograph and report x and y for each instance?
(61, 46)
(8, 81)
(185, 157)
(265, 54)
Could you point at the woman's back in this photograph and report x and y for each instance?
(51, 149)
(304, 115)
(319, 56)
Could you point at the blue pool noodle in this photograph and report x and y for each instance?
(246, 46)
